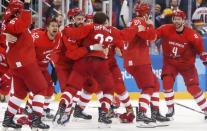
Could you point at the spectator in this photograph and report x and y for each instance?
(49, 12)
(157, 14)
(200, 3)
(199, 18)
(74, 4)
(200, 15)
(34, 22)
(166, 16)
(60, 20)
(97, 5)
(195, 4)
(116, 11)
(174, 5)
(162, 4)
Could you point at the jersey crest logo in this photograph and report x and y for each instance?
(126, 45)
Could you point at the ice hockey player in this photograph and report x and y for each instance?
(46, 42)
(17, 20)
(64, 67)
(180, 46)
(139, 63)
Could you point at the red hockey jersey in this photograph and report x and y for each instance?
(22, 52)
(92, 34)
(45, 47)
(179, 48)
(75, 48)
(136, 50)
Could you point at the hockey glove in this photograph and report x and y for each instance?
(5, 84)
(203, 57)
(127, 117)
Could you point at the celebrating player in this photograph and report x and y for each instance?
(70, 52)
(47, 42)
(180, 46)
(21, 57)
(139, 63)
(94, 63)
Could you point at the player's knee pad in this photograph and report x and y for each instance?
(107, 89)
(90, 86)
(72, 90)
(89, 89)
(157, 86)
(50, 91)
(147, 90)
(20, 95)
(40, 91)
(194, 90)
(119, 89)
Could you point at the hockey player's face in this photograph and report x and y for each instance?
(53, 29)
(88, 21)
(79, 20)
(178, 22)
(60, 19)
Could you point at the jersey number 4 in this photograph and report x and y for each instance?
(175, 51)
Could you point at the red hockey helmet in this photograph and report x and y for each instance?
(73, 12)
(179, 13)
(15, 6)
(142, 9)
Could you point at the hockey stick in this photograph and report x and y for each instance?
(200, 112)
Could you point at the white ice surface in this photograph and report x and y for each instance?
(184, 120)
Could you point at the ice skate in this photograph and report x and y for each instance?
(104, 120)
(157, 116)
(112, 113)
(27, 110)
(143, 121)
(161, 120)
(65, 118)
(47, 114)
(78, 113)
(37, 123)
(8, 122)
(59, 114)
(170, 113)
